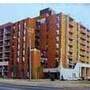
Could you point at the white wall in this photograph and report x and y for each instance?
(72, 74)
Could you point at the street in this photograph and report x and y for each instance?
(4, 86)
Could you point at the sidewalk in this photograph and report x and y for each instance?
(46, 83)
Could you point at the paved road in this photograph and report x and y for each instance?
(4, 86)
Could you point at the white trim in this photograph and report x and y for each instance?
(4, 63)
(35, 50)
(50, 70)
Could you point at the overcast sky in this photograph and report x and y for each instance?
(15, 12)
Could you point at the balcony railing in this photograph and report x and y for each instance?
(83, 31)
(82, 43)
(70, 43)
(71, 23)
(82, 54)
(82, 47)
(7, 44)
(70, 50)
(1, 44)
(83, 37)
(1, 38)
(7, 38)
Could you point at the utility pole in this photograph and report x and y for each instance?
(30, 67)
(30, 33)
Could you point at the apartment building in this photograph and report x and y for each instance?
(66, 46)
(84, 49)
(23, 50)
(50, 43)
(5, 45)
(48, 35)
(19, 55)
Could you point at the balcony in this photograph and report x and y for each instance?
(70, 46)
(1, 34)
(71, 23)
(88, 50)
(6, 57)
(1, 43)
(1, 31)
(0, 55)
(57, 39)
(83, 37)
(70, 43)
(88, 55)
(82, 58)
(70, 37)
(57, 31)
(83, 47)
(57, 45)
(70, 56)
(88, 35)
(82, 43)
(7, 38)
(1, 37)
(7, 33)
(37, 35)
(88, 46)
(70, 50)
(83, 31)
(1, 49)
(4, 63)
(7, 30)
(70, 32)
(7, 48)
(82, 54)
(88, 41)
(7, 43)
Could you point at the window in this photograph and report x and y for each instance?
(82, 61)
(24, 31)
(70, 39)
(23, 52)
(18, 40)
(24, 45)
(57, 52)
(19, 27)
(57, 45)
(58, 26)
(70, 19)
(23, 59)
(57, 31)
(18, 53)
(43, 20)
(70, 46)
(71, 33)
(24, 24)
(70, 53)
(24, 38)
(57, 39)
(19, 33)
(13, 27)
(58, 18)
(17, 59)
(18, 46)
(87, 46)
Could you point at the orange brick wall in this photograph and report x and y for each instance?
(36, 65)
